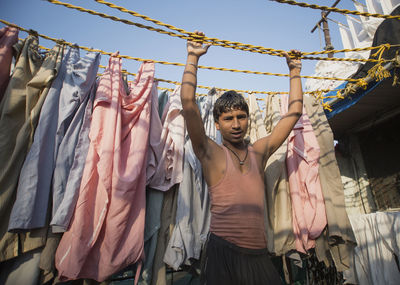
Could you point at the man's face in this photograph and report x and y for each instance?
(233, 125)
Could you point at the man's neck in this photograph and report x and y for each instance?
(236, 145)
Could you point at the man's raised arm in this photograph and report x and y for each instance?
(268, 145)
(191, 111)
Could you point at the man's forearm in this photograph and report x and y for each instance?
(189, 79)
(296, 92)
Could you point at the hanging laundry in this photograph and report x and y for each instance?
(20, 108)
(154, 201)
(106, 231)
(54, 141)
(256, 127)
(193, 210)
(8, 37)
(62, 216)
(377, 251)
(165, 170)
(162, 101)
(21, 270)
(279, 224)
(341, 238)
(167, 224)
(308, 208)
(154, 197)
(168, 170)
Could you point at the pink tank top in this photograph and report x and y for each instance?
(237, 205)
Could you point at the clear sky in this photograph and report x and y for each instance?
(258, 22)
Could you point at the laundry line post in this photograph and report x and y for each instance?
(325, 28)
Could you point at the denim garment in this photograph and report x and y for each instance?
(62, 108)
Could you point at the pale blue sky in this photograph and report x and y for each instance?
(258, 22)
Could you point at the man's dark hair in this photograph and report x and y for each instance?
(230, 100)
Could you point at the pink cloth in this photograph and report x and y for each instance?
(167, 171)
(8, 37)
(308, 206)
(106, 232)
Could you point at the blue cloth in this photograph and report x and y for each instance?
(68, 186)
(66, 96)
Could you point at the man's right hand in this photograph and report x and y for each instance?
(197, 48)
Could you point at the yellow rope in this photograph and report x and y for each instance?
(213, 41)
(157, 22)
(334, 9)
(191, 36)
(359, 82)
(225, 89)
(175, 63)
(377, 72)
(172, 90)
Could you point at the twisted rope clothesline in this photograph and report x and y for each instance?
(174, 63)
(171, 27)
(334, 9)
(317, 93)
(213, 41)
(237, 90)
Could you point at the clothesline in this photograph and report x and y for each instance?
(227, 89)
(174, 63)
(313, 93)
(157, 22)
(213, 41)
(316, 93)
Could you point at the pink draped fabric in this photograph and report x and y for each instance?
(106, 232)
(308, 206)
(8, 37)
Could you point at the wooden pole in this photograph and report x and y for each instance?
(327, 36)
(325, 28)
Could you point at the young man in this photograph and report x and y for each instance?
(236, 249)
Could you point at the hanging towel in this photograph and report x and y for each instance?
(106, 231)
